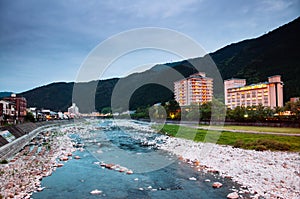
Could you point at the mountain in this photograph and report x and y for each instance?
(54, 96)
(276, 52)
(5, 94)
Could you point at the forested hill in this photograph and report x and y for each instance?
(255, 59)
(276, 52)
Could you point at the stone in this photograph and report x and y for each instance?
(217, 185)
(233, 195)
(96, 192)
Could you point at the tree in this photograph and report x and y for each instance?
(106, 110)
(294, 107)
(29, 117)
(172, 109)
(238, 114)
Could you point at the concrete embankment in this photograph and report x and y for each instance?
(23, 134)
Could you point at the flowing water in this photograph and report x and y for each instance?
(156, 173)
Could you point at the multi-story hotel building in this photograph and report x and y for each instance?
(267, 93)
(197, 89)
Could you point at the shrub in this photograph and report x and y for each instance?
(260, 148)
(238, 144)
(3, 162)
(265, 144)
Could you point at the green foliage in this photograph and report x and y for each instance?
(3, 162)
(29, 117)
(250, 114)
(141, 113)
(106, 110)
(294, 107)
(172, 109)
(214, 110)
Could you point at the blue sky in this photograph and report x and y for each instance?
(47, 41)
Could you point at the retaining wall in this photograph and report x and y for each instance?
(24, 133)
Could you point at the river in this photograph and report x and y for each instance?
(156, 173)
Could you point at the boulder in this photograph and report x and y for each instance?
(233, 195)
(217, 185)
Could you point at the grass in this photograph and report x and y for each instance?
(264, 129)
(241, 140)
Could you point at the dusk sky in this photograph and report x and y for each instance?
(47, 41)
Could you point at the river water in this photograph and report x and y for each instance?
(156, 173)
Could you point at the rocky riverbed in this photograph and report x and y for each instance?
(24, 172)
(264, 173)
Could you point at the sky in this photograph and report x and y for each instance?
(48, 41)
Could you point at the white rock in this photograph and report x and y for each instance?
(217, 185)
(96, 192)
(233, 195)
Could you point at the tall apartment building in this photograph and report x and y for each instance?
(267, 93)
(197, 88)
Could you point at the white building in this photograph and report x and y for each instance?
(267, 93)
(73, 110)
(7, 108)
(197, 89)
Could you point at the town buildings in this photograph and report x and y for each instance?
(267, 93)
(294, 99)
(17, 107)
(7, 112)
(196, 89)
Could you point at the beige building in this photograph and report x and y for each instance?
(267, 94)
(197, 89)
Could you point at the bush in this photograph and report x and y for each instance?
(3, 162)
(264, 144)
(260, 148)
(239, 144)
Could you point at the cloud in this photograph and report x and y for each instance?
(276, 5)
(152, 9)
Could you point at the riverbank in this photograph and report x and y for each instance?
(264, 173)
(269, 174)
(260, 141)
(24, 172)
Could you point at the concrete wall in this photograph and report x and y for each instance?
(16, 145)
(29, 131)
